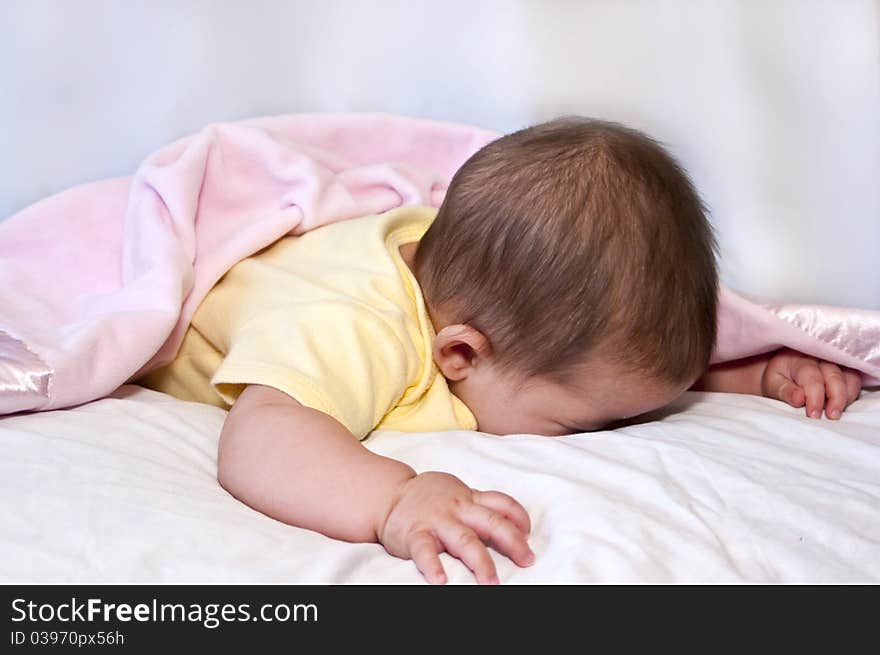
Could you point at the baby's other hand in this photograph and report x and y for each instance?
(799, 380)
(436, 512)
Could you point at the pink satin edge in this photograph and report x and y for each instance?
(854, 332)
(24, 376)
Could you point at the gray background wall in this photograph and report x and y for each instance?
(774, 107)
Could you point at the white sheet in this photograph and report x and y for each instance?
(727, 489)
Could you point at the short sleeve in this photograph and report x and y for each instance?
(338, 357)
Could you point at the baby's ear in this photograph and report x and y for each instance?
(456, 349)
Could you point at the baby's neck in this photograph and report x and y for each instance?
(408, 253)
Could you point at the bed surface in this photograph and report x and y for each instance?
(726, 488)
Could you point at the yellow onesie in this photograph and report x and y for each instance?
(335, 319)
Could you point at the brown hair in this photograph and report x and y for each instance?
(572, 235)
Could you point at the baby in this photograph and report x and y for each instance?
(567, 282)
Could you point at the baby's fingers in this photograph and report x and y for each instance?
(810, 379)
(494, 527)
(506, 505)
(835, 389)
(853, 384)
(424, 552)
(462, 542)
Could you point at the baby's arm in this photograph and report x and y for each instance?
(303, 467)
(790, 376)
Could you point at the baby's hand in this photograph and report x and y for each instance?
(799, 379)
(437, 511)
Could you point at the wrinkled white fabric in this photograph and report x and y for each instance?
(727, 488)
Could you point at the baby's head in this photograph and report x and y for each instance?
(570, 273)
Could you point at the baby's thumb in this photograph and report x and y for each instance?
(792, 394)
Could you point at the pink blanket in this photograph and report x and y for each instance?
(98, 283)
